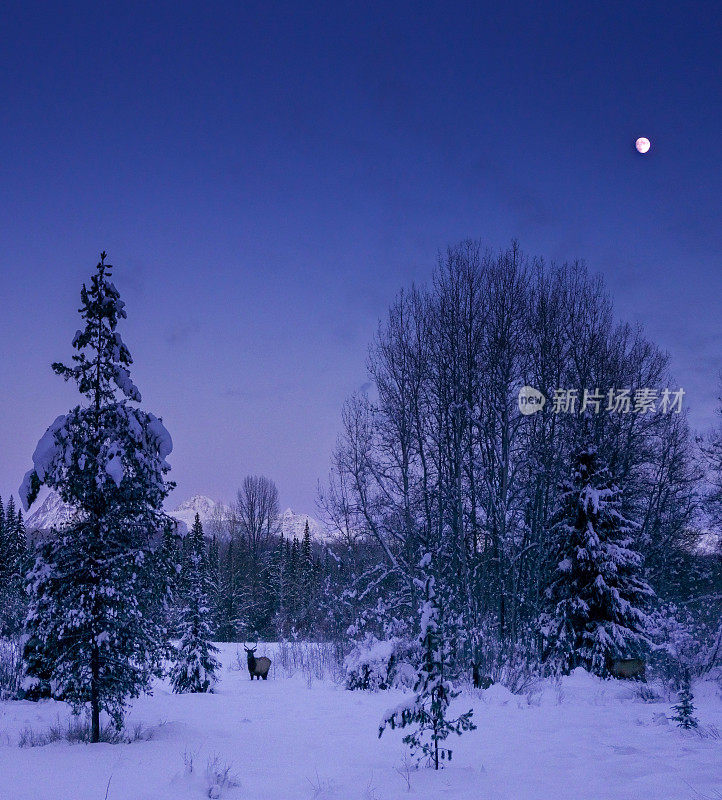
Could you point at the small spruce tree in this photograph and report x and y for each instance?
(307, 585)
(279, 587)
(168, 565)
(684, 710)
(433, 692)
(195, 665)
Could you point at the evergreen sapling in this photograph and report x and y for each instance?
(433, 692)
(684, 710)
(195, 665)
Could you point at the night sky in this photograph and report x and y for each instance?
(266, 178)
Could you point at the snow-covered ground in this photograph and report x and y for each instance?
(296, 736)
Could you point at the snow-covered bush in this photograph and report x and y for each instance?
(379, 664)
(680, 648)
(514, 666)
(647, 693)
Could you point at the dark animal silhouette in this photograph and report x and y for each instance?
(257, 667)
(480, 681)
(628, 668)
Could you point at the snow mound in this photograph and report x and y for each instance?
(498, 695)
(579, 678)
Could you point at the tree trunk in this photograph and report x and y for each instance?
(95, 696)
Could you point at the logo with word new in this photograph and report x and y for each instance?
(531, 400)
(644, 400)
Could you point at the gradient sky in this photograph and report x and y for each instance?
(266, 176)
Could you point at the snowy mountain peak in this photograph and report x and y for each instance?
(198, 504)
(51, 512)
(293, 526)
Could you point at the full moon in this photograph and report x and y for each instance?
(642, 144)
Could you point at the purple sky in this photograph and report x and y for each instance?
(266, 179)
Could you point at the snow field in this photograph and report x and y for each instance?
(301, 736)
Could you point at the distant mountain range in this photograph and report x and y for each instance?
(210, 512)
(52, 512)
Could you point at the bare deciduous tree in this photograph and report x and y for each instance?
(256, 510)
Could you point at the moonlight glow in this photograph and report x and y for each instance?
(642, 144)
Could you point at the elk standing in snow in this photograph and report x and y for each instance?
(628, 668)
(257, 667)
(480, 681)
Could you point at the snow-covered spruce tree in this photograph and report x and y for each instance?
(93, 588)
(684, 710)
(215, 575)
(278, 584)
(598, 594)
(13, 544)
(6, 566)
(230, 619)
(169, 557)
(712, 452)
(433, 692)
(306, 594)
(195, 664)
(13, 564)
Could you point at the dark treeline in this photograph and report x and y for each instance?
(265, 585)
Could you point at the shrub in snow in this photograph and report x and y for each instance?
(598, 594)
(219, 777)
(514, 664)
(79, 731)
(682, 647)
(647, 693)
(379, 664)
(317, 660)
(95, 587)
